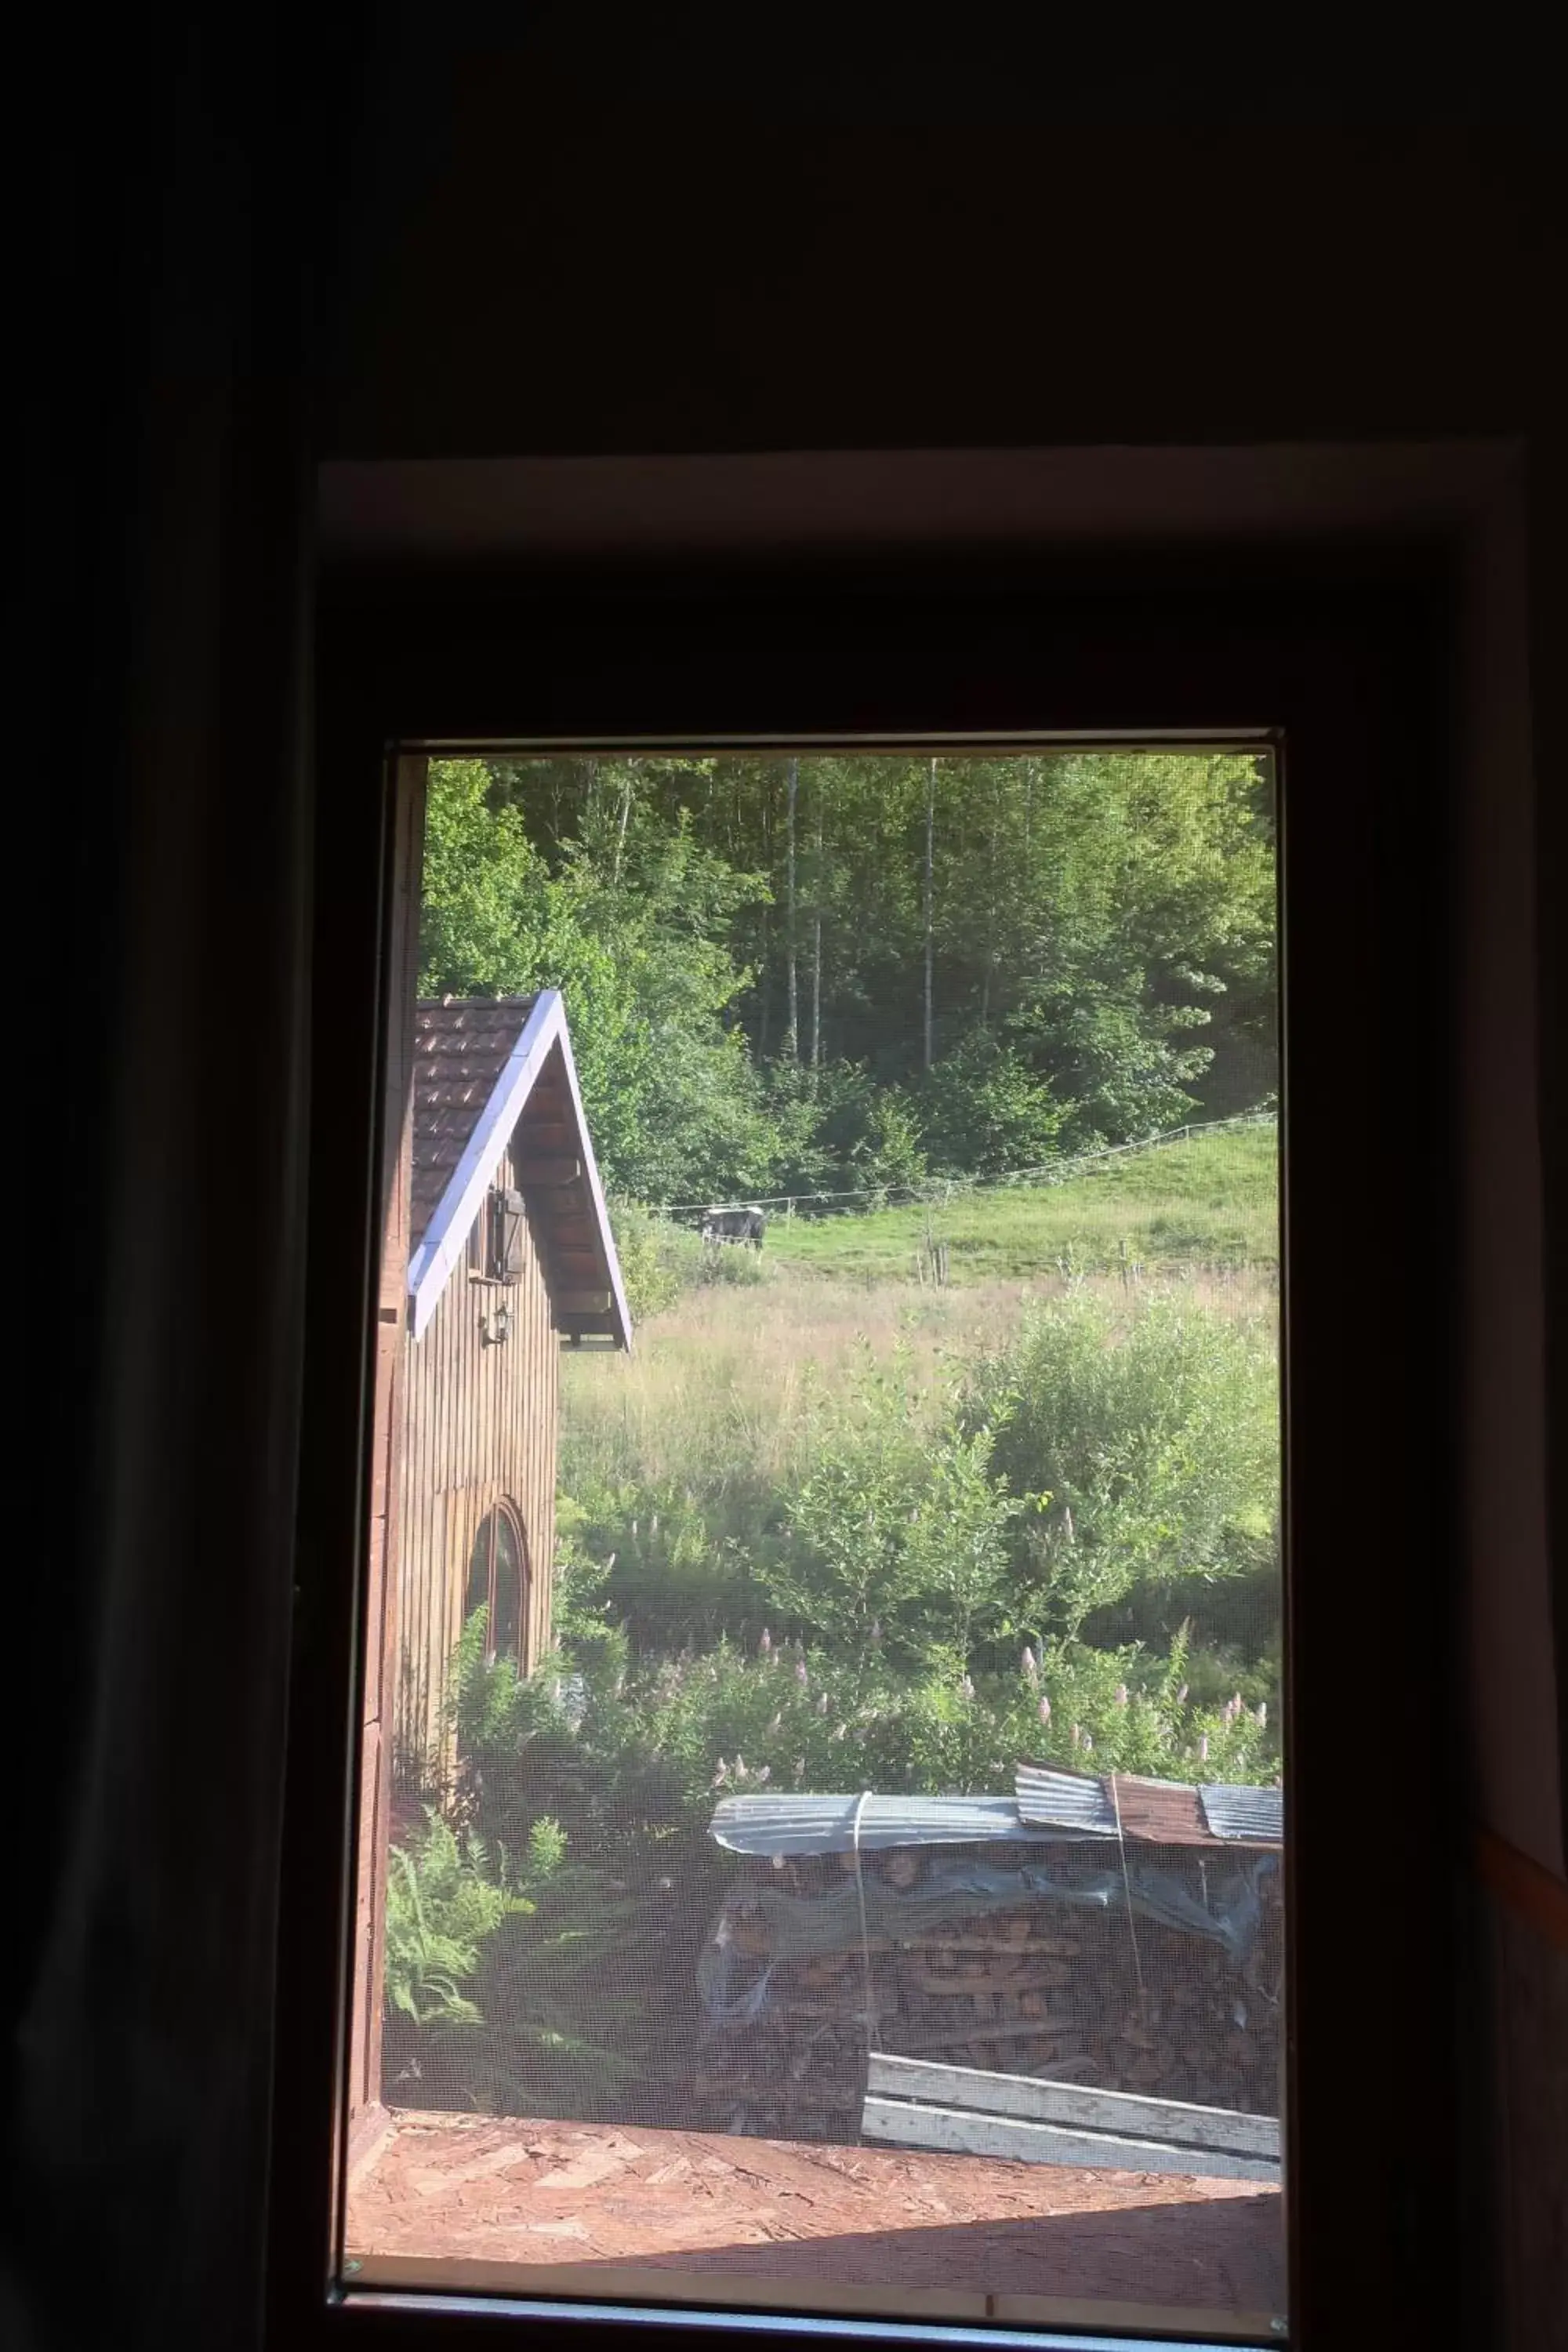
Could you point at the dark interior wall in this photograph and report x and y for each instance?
(274, 253)
(581, 272)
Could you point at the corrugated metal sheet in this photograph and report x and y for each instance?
(1159, 1812)
(1050, 1806)
(807, 1825)
(1049, 1799)
(1154, 1813)
(1246, 1816)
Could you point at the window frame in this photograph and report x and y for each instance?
(501, 1515)
(1343, 660)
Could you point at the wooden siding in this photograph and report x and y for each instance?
(479, 1430)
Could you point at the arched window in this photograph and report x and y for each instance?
(499, 1581)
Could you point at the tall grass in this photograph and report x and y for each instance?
(721, 1386)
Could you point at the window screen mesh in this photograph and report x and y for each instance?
(870, 1876)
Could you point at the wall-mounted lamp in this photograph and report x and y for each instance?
(496, 1327)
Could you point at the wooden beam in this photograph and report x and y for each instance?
(547, 1139)
(1121, 2112)
(955, 2131)
(540, 1174)
(573, 1232)
(580, 1274)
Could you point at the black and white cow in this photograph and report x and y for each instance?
(743, 1225)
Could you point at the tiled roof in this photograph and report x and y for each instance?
(487, 1074)
(460, 1048)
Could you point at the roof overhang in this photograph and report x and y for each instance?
(442, 1246)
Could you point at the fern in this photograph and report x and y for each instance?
(443, 1904)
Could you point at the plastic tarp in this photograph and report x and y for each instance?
(734, 1985)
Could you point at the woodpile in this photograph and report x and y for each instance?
(1049, 1988)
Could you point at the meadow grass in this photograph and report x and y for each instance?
(1211, 1200)
(721, 1386)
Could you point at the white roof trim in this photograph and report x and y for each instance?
(591, 1170)
(444, 1239)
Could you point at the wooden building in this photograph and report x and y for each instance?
(496, 1249)
(508, 1254)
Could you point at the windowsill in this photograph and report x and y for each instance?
(507, 2206)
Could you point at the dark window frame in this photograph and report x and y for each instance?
(1344, 658)
(506, 1515)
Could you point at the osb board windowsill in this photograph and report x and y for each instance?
(510, 2205)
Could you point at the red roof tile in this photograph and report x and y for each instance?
(460, 1047)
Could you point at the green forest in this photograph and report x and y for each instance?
(961, 1471)
(789, 975)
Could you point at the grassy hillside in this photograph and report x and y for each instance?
(720, 1386)
(1209, 1202)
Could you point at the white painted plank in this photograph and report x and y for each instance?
(1074, 2105)
(955, 2132)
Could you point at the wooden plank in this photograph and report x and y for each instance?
(550, 1139)
(1075, 2105)
(658, 2283)
(995, 2029)
(537, 1173)
(1042, 1977)
(576, 1267)
(956, 2131)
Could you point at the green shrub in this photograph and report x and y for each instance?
(655, 1262)
(901, 1533)
(671, 1566)
(985, 1110)
(1155, 1430)
(786, 1718)
(732, 1262)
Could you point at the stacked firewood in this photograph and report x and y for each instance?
(1049, 1990)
